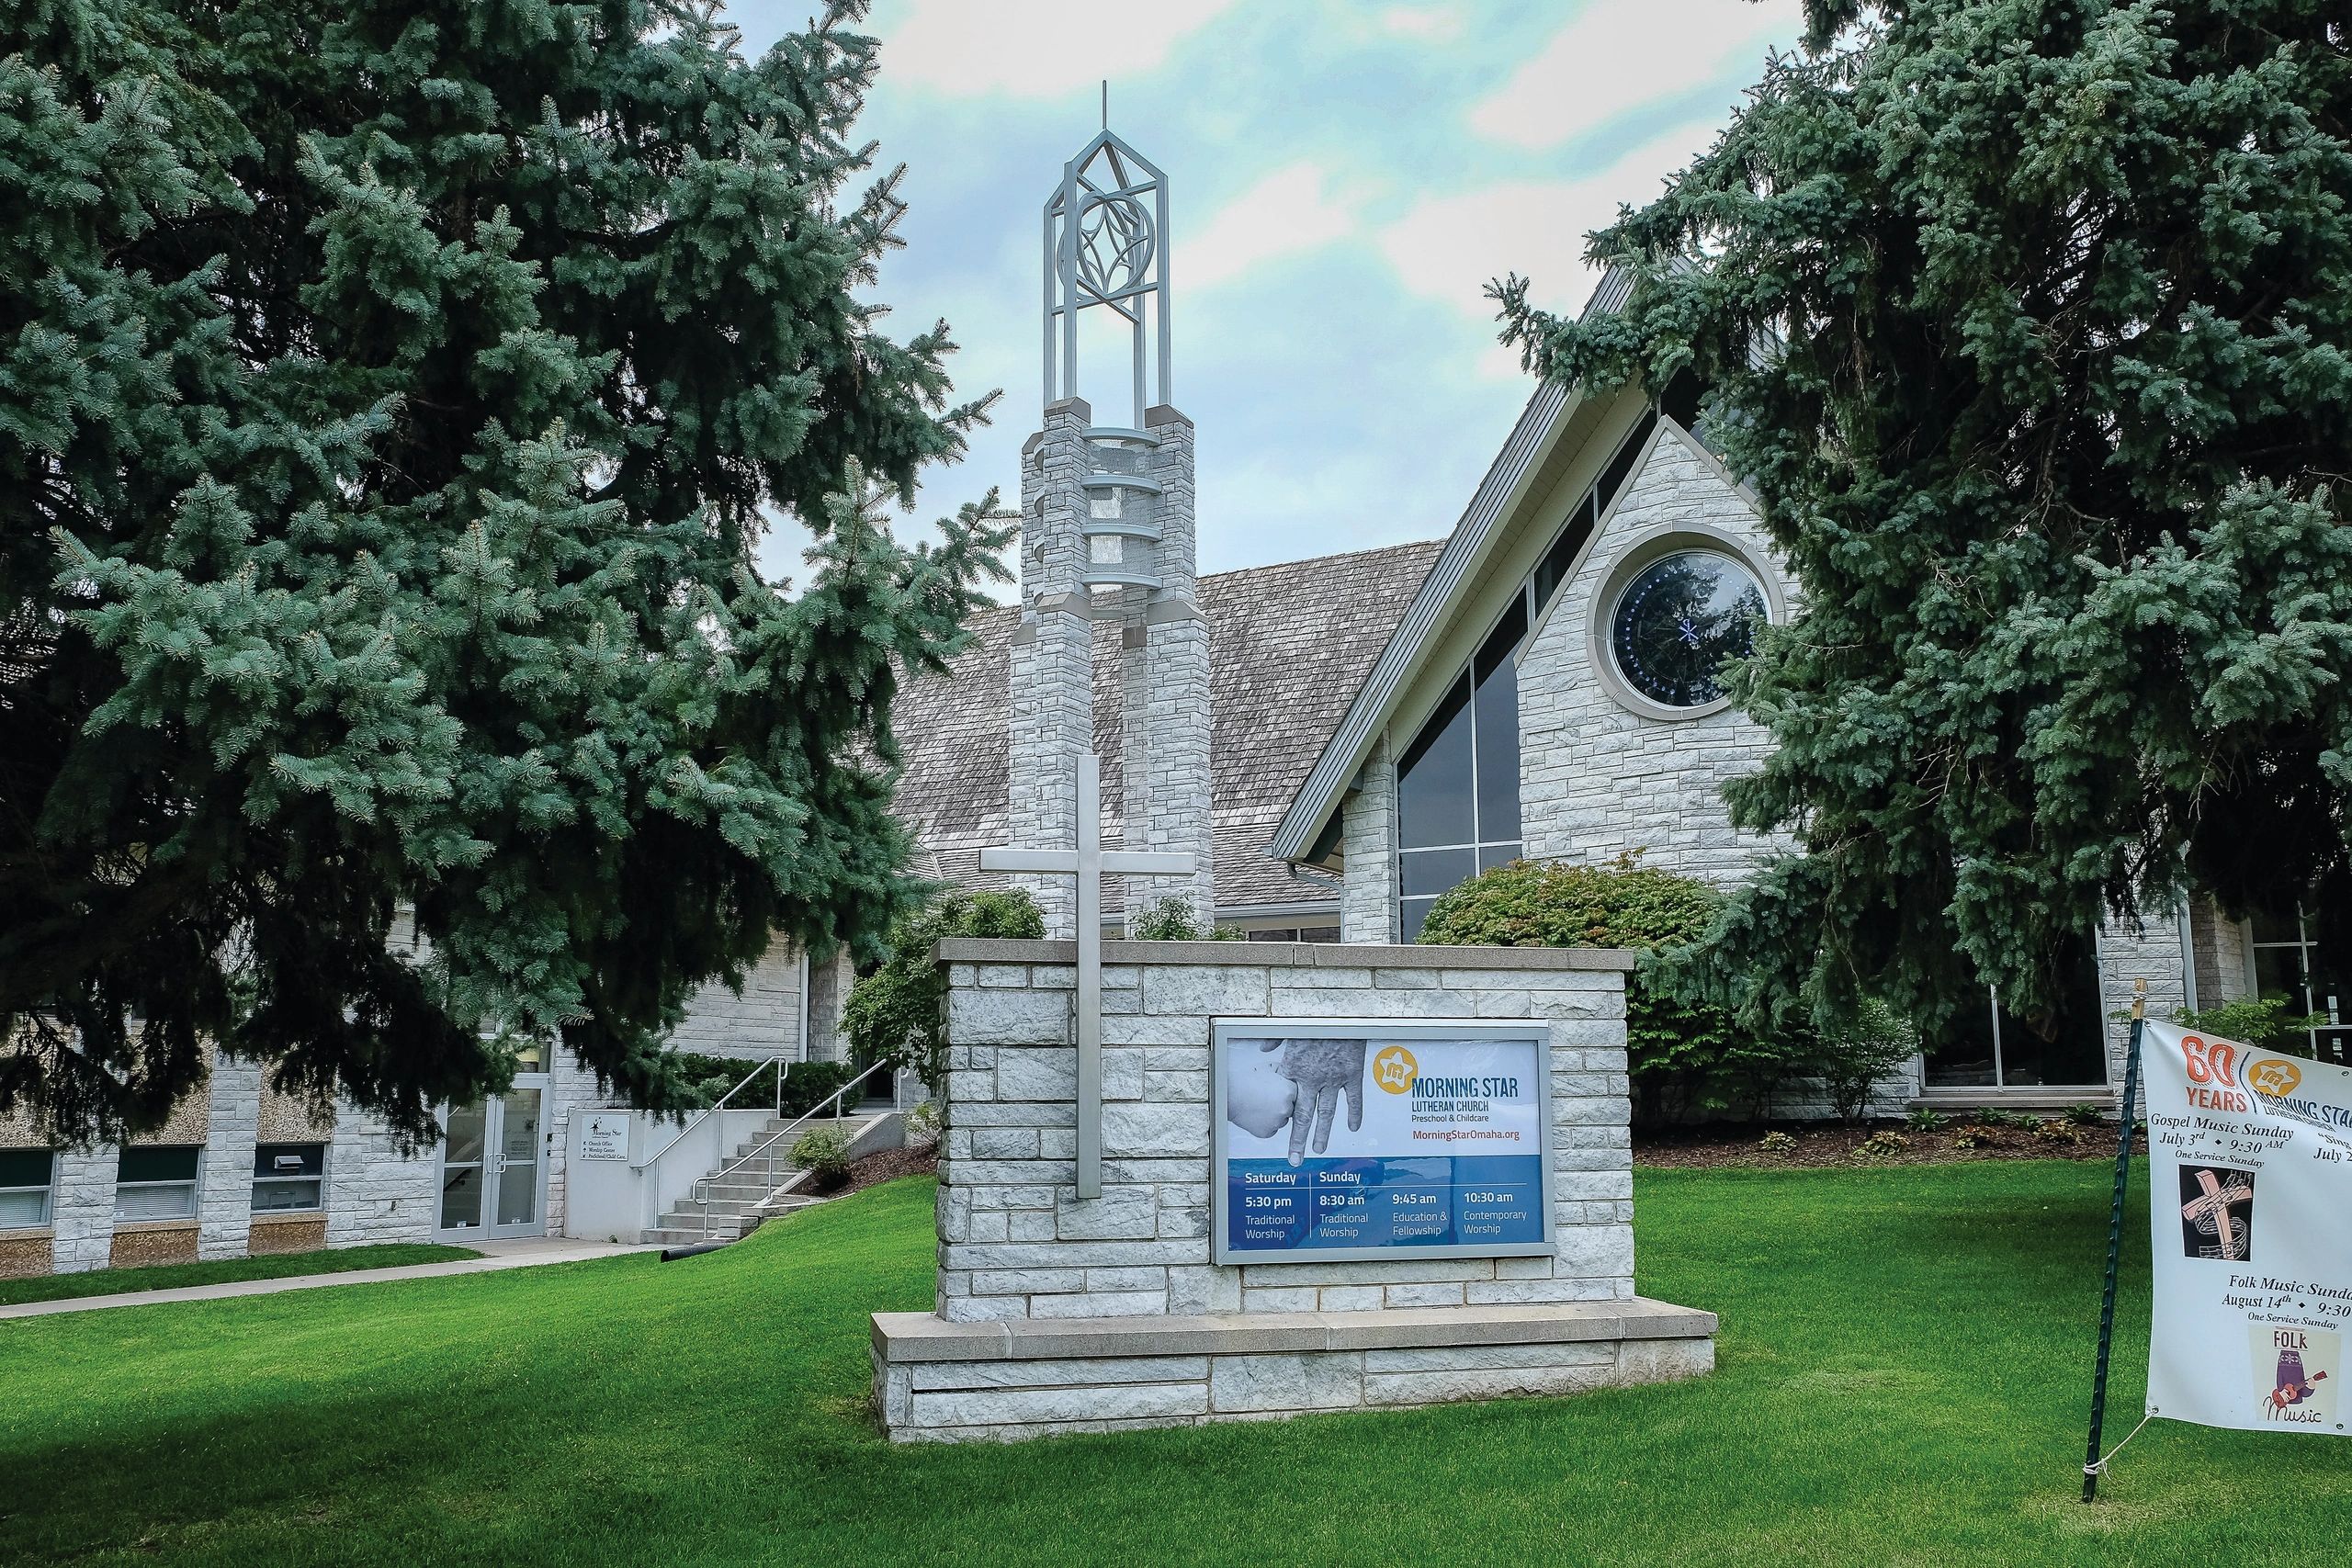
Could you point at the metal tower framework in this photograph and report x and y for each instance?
(1106, 243)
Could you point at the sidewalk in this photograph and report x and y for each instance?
(496, 1255)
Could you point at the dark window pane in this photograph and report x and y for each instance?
(1318, 933)
(1428, 873)
(157, 1165)
(1963, 1057)
(1411, 913)
(1433, 803)
(1497, 706)
(1554, 568)
(2070, 1046)
(290, 1159)
(2278, 971)
(1272, 936)
(25, 1168)
(1620, 466)
(2274, 925)
(1493, 855)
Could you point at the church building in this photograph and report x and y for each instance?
(1332, 742)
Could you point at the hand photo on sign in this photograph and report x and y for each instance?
(1303, 1090)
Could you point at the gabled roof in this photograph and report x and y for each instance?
(1484, 520)
(1289, 646)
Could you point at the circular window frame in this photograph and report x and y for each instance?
(1637, 557)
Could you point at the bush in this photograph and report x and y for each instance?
(1924, 1119)
(2256, 1021)
(923, 1123)
(894, 1014)
(2056, 1132)
(1854, 1053)
(1881, 1146)
(1172, 919)
(806, 1084)
(1970, 1138)
(1683, 1055)
(823, 1153)
(2084, 1115)
(1777, 1143)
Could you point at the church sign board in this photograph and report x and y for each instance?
(1342, 1139)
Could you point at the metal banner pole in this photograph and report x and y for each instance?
(2114, 1237)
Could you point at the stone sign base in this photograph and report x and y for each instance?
(943, 1382)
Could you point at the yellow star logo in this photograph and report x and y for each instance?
(1394, 1070)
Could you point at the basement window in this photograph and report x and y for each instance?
(289, 1177)
(156, 1183)
(27, 1177)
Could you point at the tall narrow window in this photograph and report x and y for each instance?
(2290, 961)
(1457, 787)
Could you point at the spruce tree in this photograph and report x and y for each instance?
(2029, 323)
(391, 396)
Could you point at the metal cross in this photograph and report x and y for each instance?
(1087, 862)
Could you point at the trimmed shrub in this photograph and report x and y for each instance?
(895, 1014)
(806, 1084)
(823, 1153)
(1172, 919)
(1684, 1056)
(1852, 1054)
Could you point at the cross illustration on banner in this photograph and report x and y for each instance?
(2210, 1214)
(1088, 862)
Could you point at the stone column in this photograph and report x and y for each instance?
(1052, 675)
(1165, 742)
(225, 1203)
(377, 1192)
(1368, 845)
(80, 1217)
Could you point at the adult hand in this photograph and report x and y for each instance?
(1321, 1073)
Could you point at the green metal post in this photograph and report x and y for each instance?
(2114, 1237)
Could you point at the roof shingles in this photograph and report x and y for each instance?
(1289, 646)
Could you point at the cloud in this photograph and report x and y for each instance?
(1292, 210)
(1616, 57)
(1447, 247)
(1429, 24)
(1031, 49)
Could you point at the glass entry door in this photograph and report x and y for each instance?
(493, 1167)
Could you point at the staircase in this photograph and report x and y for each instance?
(729, 1203)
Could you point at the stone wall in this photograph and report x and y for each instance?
(1598, 779)
(1052, 657)
(226, 1190)
(1015, 1242)
(2221, 953)
(1368, 847)
(762, 1022)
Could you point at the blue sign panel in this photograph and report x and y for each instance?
(1354, 1140)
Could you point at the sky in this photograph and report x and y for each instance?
(1345, 176)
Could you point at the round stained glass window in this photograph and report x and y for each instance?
(1678, 620)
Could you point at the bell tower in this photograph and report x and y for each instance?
(1107, 535)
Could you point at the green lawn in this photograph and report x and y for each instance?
(1905, 1359)
(226, 1270)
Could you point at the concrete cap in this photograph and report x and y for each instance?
(1287, 954)
(900, 1337)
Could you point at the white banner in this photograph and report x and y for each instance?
(2250, 1182)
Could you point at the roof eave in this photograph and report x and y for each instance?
(1498, 494)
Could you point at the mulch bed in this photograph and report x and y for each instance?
(889, 1165)
(1832, 1144)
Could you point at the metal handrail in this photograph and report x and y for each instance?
(719, 1176)
(715, 1106)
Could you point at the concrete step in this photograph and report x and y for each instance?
(692, 1235)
